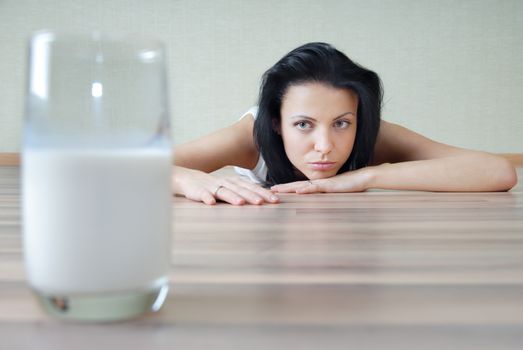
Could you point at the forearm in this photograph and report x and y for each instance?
(191, 156)
(471, 172)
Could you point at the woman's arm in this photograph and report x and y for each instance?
(419, 163)
(405, 160)
(233, 145)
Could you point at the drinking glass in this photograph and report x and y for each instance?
(96, 168)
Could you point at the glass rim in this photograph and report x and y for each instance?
(51, 35)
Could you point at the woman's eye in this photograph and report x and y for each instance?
(341, 124)
(303, 125)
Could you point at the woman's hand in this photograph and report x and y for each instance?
(352, 181)
(469, 171)
(202, 187)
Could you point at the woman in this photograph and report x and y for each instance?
(318, 129)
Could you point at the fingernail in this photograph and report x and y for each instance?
(274, 199)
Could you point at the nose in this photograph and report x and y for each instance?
(323, 142)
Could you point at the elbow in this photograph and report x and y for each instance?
(507, 176)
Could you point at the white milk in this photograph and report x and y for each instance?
(96, 221)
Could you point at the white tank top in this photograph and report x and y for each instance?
(259, 173)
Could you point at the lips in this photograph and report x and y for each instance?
(322, 166)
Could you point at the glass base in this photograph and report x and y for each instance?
(104, 307)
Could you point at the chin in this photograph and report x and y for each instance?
(320, 175)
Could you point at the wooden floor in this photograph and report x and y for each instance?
(374, 270)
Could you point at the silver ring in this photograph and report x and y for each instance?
(215, 193)
(310, 182)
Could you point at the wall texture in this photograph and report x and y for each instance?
(452, 70)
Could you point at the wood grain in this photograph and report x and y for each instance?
(373, 270)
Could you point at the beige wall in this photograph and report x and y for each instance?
(452, 70)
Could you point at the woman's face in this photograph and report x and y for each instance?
(318, 127)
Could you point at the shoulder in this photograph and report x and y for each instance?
(243, 127)
(242, 132)
(251, 112)
(246, 121)
(232, 145)
(382, 149)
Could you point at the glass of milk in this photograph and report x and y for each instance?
(96, 164)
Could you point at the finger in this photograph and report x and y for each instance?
(247, 194)
(256, 194)
(290, 187)
(202, 196)
(267, 195)
(229, 196)
(208, 198)
(270, 197)
(253, 193)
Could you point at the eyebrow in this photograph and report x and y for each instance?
(301, 116)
